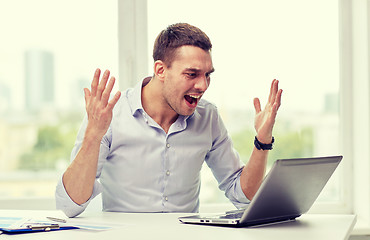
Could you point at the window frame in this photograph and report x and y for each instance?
(355, 105)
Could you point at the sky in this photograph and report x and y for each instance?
(254, 42)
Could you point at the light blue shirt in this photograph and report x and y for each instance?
(142, 168)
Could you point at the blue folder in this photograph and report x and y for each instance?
(7, 227)
(44, 228)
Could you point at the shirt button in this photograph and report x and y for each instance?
(166, 198)
(168, 173)
(168, 145)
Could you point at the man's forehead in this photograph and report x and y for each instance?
(191, 58)
(191, 51)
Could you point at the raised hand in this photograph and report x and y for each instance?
(98, 107)
(79, 177)
(265, 119)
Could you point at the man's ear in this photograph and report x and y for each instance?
(160, 69)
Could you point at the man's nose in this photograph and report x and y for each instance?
(202, 83)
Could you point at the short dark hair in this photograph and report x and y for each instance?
(175, 36)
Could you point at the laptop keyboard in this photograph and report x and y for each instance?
(233, 214)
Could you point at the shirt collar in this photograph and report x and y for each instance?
(134, 98)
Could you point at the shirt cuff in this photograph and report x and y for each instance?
(67, 205)
(239, 200)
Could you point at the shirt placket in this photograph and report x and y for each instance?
(164, 160)
(169, 157)
(166, 171)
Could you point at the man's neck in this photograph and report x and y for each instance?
(155, 106)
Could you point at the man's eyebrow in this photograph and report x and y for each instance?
(198, 70)
(192, 69)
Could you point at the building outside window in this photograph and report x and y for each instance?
(48, 53)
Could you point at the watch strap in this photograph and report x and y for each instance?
(262, 146)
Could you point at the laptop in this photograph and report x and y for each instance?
(288, 191)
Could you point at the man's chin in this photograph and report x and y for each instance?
(187, 112)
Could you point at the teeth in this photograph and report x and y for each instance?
(193, 96)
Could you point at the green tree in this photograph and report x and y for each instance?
(54, 143)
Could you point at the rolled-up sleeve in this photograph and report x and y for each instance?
(67, 205)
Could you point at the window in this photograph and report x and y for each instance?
(253, 43)
(294, 41)
(49, 51)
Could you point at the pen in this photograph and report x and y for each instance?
(43, 227)
(56, 219)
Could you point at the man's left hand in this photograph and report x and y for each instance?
(265, 119)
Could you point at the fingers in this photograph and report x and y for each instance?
(102, 84)
(276, 105)
(87, 96)
(113, 101)
(274, 97)
(257, 105)
(97, 88)
(95, 82)
(271, 87)
(100, 91)
(273, 91)
(107, 90)
(278, 98)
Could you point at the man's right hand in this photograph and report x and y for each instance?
(98, 107)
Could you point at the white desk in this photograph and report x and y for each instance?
(166, 226)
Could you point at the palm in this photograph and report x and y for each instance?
(265, 119)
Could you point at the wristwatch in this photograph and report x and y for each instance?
(262, 146)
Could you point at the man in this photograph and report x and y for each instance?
(147, 147)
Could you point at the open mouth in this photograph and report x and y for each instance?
(192, 100)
